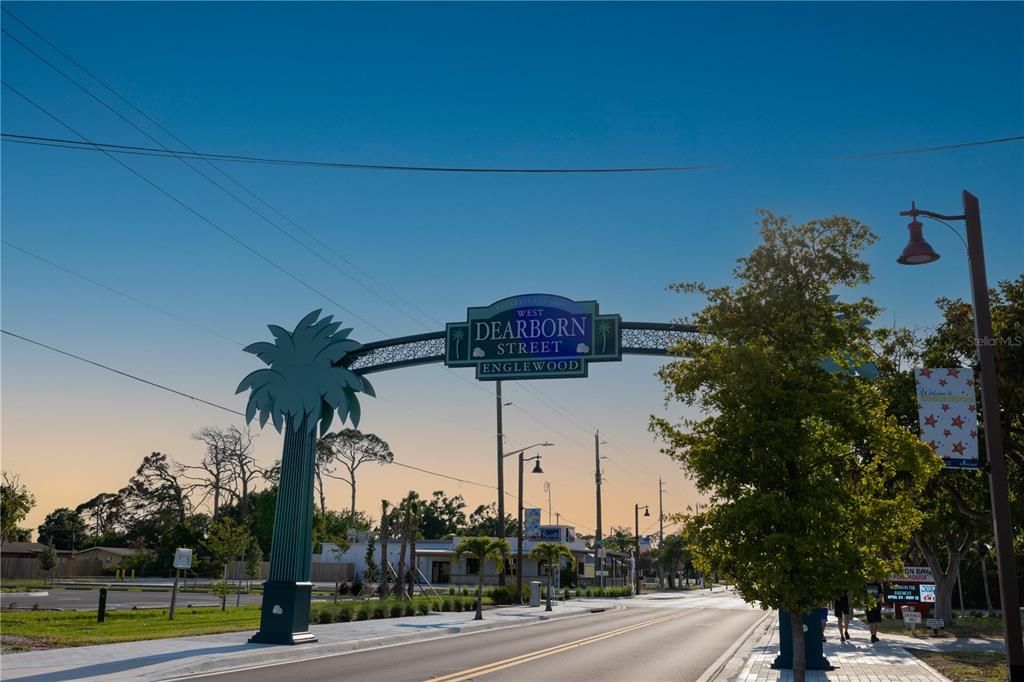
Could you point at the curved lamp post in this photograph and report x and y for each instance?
(636, 522)
(919, 252)
(519, 531)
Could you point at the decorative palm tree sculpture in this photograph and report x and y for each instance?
(483, 548)
(303, 387)
(550, 553)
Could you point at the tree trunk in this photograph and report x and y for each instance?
(988, 595)
(796, 626)
(548, 607)
(352, 509)
(480, 594)
(400, 575)
(385, 577)
(944, 580)
(412, 561)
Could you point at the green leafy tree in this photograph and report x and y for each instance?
(620, 539)
(483, 548)
(370, 575)
(813, 483)
(227, 541)
(107, 518)
(16, 501)
(253, 561)
(48, 560)
(64, 528)
(550, 554)
(443, 516)
(672, 555)
(483, 520)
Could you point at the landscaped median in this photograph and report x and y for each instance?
(26, 630)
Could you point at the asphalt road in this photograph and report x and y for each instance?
(87, 600)
(648, 644)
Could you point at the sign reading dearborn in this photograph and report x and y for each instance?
(533, 336)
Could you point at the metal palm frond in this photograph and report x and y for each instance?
(302, 381)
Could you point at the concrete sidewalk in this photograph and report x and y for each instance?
(162, 659)
(858, 660)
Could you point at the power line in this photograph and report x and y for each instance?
(121, 293)
(196, 170)
(241, 158)
(196, 213)
(122, 373)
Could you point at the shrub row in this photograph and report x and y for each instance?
(387, 608)
(605, 592)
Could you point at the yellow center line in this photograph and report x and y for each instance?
(489, 668)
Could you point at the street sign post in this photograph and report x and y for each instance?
(182, 559)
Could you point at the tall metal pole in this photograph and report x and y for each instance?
(636, 548)
(519, 538)
(598, 546)
(994, 442)
(661, 513)
(500, 530)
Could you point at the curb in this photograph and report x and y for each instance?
(26, 594)
(267, 655)
(716, 668)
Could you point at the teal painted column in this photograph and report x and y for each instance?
(287, 592)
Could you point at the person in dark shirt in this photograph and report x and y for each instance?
(841, 605)
(873, 614)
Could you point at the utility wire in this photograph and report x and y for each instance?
(241, 158)
(142, 113)
(197, 214)
(120, 293)
(124, 374)
(206, 177)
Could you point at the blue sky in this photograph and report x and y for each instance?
(772, 96)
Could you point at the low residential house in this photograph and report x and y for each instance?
(108, 556)
(28, 550)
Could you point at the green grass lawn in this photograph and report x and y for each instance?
(22, 630)
(966, 666)
(963, 626)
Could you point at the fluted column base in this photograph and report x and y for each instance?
(285, 615)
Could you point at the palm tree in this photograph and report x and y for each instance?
(483, 548)
(550, 553)
(305, 384)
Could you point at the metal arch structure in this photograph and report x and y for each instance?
(636, 338)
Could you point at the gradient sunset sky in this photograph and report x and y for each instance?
(774, 98)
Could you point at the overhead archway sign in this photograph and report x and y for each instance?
(533, 336)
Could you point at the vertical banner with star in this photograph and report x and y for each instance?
(946, 411)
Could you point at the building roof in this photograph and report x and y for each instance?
(26, 548)
(119, 551)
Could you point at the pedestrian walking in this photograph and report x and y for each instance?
(873, 614)
(841, 606)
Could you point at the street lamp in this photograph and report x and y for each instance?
(636, 521)
(519, 530)
(919, 252)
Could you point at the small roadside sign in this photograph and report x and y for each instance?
(911, 617)
(601, 573)
(935, 623)
(183, 558)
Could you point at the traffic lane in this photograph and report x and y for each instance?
(88, 600)
(418, 661)
(675, 650)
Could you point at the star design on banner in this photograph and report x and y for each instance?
(942, 382)
(947, 433)
(970, 408)
(953, 372)
(931, 421)
(970, 382)
(932, 444)
(957, 421)
(925, 372)
(945, 407)
(974, 434)
(958, 448)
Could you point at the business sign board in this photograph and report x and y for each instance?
(533, 336)
(914, 574)
(551, 534)
(531, 523)
(910, 593)
(645, 544)
(911, 617)
(946, 413)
